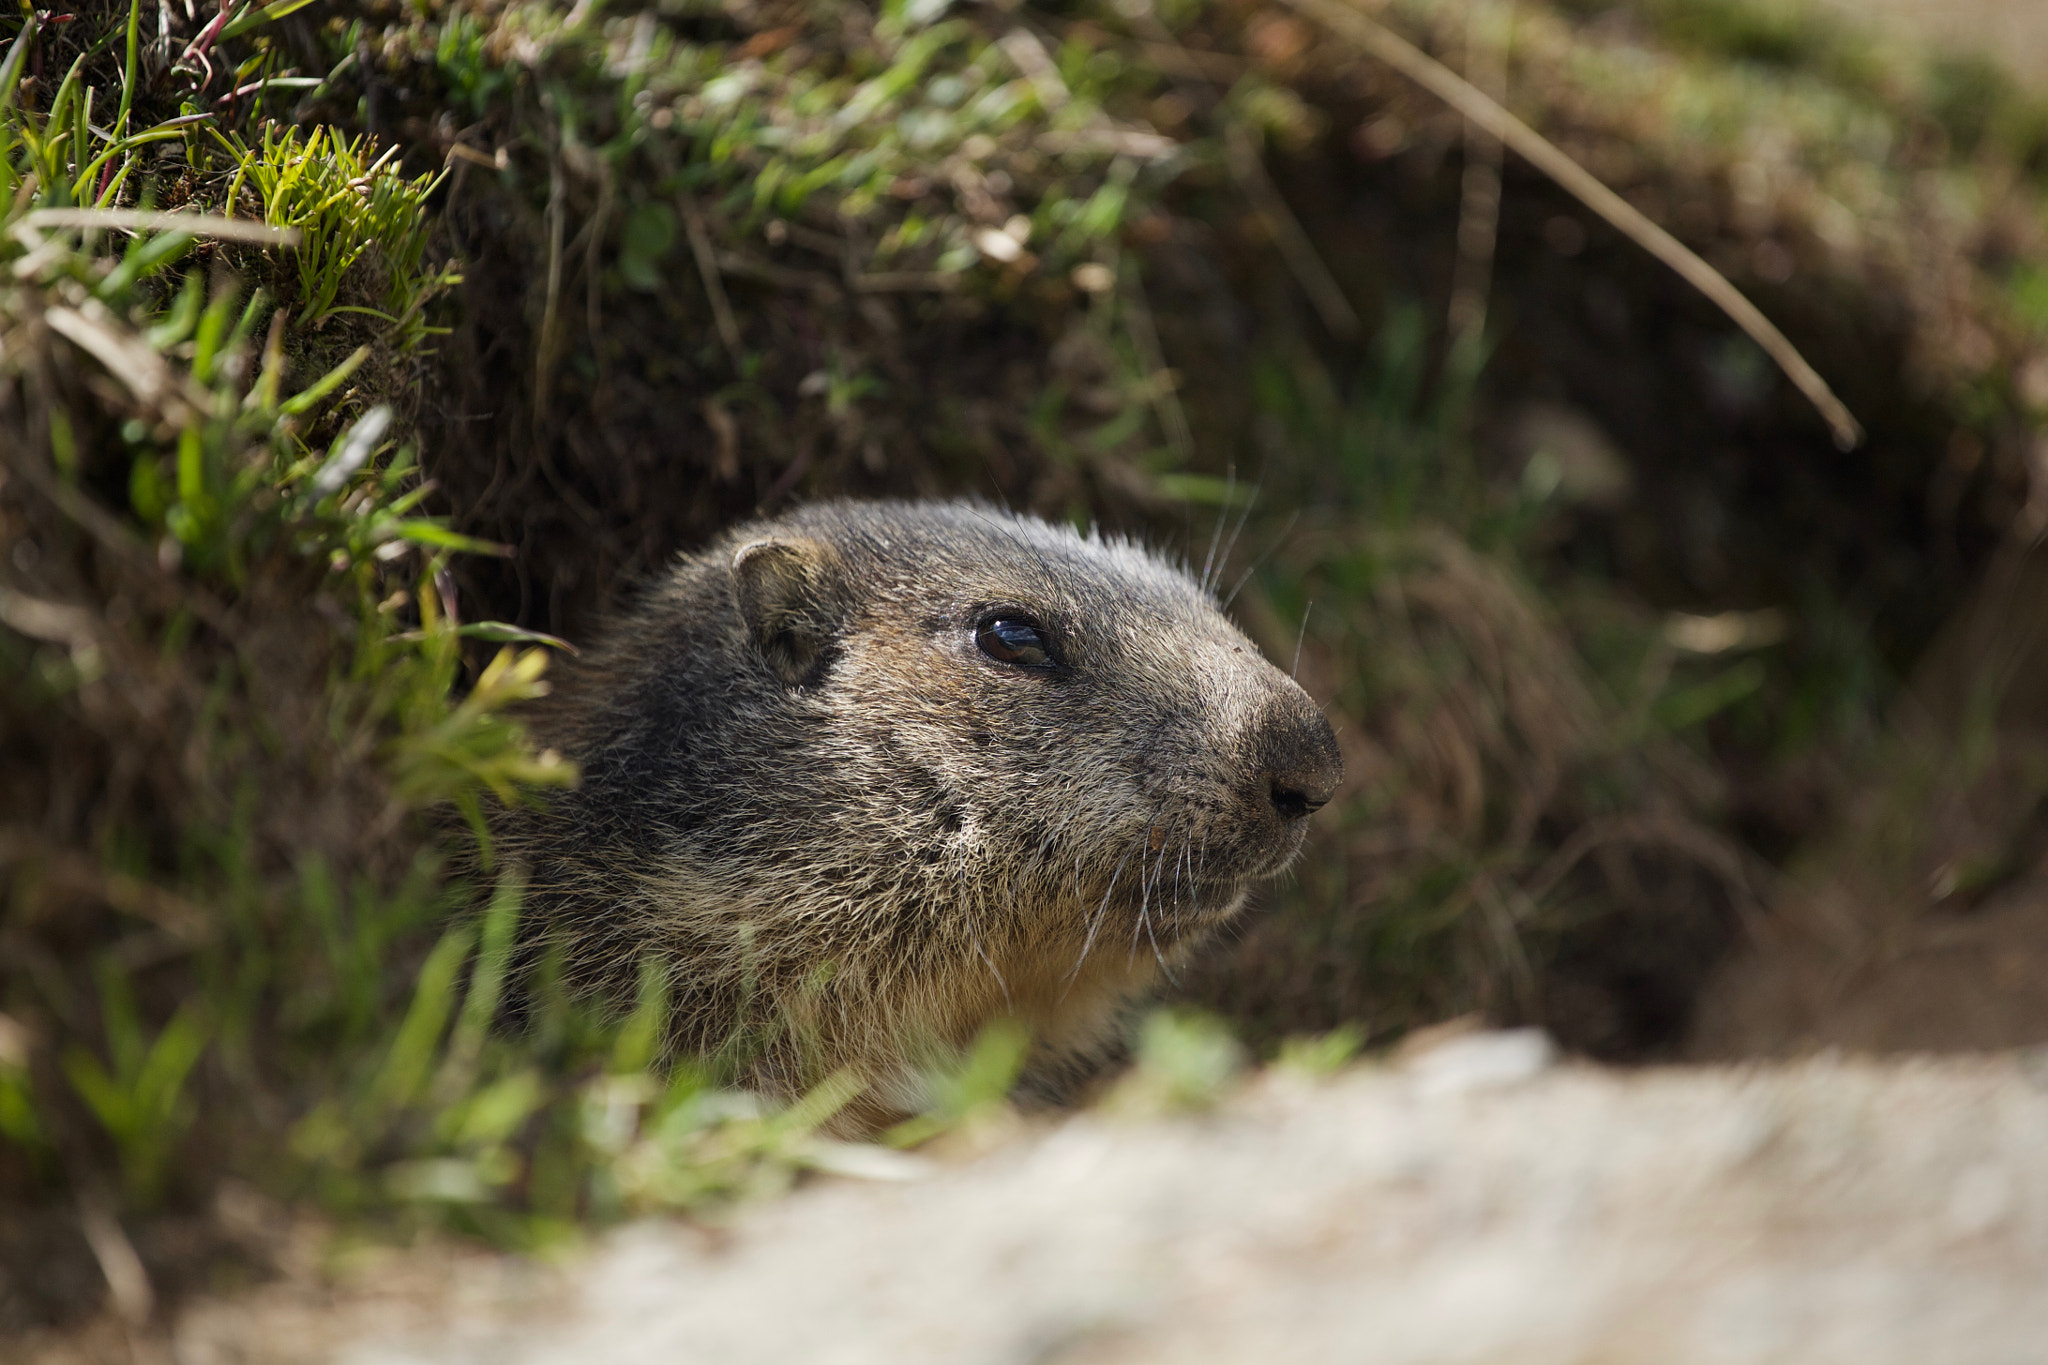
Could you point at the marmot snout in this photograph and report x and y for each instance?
(870, 775)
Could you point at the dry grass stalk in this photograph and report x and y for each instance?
(142, 220)
(1486, 67)
(1455, 91)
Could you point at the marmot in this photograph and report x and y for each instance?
(867, 776)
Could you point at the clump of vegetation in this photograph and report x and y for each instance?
(250, 732)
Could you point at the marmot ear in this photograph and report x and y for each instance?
(790, 595)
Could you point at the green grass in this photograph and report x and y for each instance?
(321, 1020)
(354, 213)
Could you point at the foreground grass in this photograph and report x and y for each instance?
(231, 629)
(254, 925)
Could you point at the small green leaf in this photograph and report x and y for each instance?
(644, 240)
(308, 398)
(17, 53)
(1204, 489)
(502, 633)
(422, 532)
(143, 260)
(1699, 703)
(411, 1058)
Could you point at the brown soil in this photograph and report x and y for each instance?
(1919, 922)
(1944, 984)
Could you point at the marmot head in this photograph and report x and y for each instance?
(1068, 723)
(868, 775)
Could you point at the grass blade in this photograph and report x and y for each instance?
(10, 67)
(309, 398)
(1454, 90)
(128, 70)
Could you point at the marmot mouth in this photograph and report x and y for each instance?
(1221, 875)
(1224, 854)
(1189, 905)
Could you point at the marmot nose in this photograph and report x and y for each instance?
(1303, 766)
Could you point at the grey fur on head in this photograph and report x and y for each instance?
(867, 776)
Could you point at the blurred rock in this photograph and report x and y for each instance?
(1820, 1212)
(1487, 1060)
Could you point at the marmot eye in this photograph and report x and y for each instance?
(1013, 640)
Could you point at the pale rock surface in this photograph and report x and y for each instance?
(1477, 1205)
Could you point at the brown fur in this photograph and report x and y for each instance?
(853, 838)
